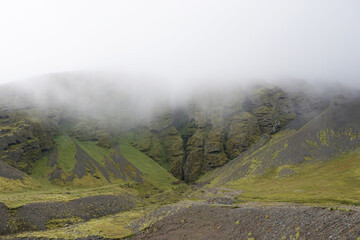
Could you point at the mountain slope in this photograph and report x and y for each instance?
(334, 181)
(332, 133)
(83, 163)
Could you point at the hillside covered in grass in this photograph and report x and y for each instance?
(117, 173)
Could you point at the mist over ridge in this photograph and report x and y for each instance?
(138, 99)
(183, 41)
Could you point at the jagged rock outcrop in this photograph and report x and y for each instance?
(212, 132)
(333, 132)
(162, 142)
(87, 129)
(243, 131)
(6, 171)
(272, 108)
(188, 140)
(22, 139)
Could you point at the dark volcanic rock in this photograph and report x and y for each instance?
(35, 216)
(283, 222)
(7, 171)
(123, 167)
(214, 129)
(85, 163)
(4, 213)
(286, 172)
(22, 139)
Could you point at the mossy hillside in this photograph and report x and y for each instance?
(284, 148)
(152, 171)
(164, 145)
(108, 227)
(221, 131)
(241, 134)
(335, 181)
(119, 225)
(64, 161)
(9, 186)
(40, 169)
(112, 227)
(22, 139)
(66, 152)
(272, 107)
(50, 192)
(148, 143)
(154, 174)
(96, 152)
(44, 191)
(324, 137)
(157, 191)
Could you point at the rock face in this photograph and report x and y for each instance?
(191, 140)
(162, 142)
(4, 211)
(272, 108)
(85, 129)
(243, 131)
(9, 172)
(212, 130)
(22, 140)
(333, 132)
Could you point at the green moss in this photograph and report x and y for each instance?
(152, 171)
(58, 223)
(186, 132)
(10, 186)
(40, 168)
(66, 152)
(336, 181)
(142, 140)
(44, 191)
(96, 152)
(323, 137)
(114, 227)
(312, 144)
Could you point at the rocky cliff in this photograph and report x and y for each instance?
(23, 139)
(189, 140)
(212, 130)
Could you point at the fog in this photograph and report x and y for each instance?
(183, 41)
(128, 58)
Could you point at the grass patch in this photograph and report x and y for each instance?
(49, 192)
(8, 186)
(334, 181)
(40, 168)
(96, 152)
(38, 188)
(66, 152)
(152, 171)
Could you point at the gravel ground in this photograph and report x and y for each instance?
(206, 221)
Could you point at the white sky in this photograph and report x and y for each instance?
(182, 40)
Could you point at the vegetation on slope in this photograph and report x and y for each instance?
(330, 134)
(334, 181)
(152, 171)
(37, 187)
